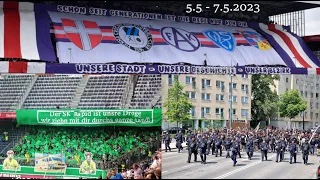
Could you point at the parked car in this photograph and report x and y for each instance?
(174, 130)
(318, 173)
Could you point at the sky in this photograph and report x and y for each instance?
(312, 21)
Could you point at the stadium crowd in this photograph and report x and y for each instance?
(150, 169)
(107, 144)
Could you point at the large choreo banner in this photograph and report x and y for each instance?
(103, 39)
(24, 32)
(114, 117)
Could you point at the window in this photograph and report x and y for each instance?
(244, 112)
(219, 110)
(188, 80)
(219, 97)
(317, 95)
(192, 95)
(244, 87)
(317, 86)
(219, 84)
(205, 110)
(317, 105)
(208, 82)
(297, 81)
(311, 94)
(306, 94)
(193, 112)
(287, 80)
(234, 111)
(205, 83)
(301, 93)
(311, 115)
(234, 98)
(170, 79)
(244, 99)
(317, 115)
(244, 75)
(287, 89)
(234, 85)
(205, 96)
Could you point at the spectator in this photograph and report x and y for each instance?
(115, 175)
(137, 171)
(155, 162)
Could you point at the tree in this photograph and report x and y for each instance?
(177, 103)
(291, 105)
(264, 101)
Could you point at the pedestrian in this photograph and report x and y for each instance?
(264, 150)
(293, 151)
(234, 149)
(305, 152)
(167, 141)
(227, 146)
(278, 148)
(249, 148)
(179, 140)
(218, 147)
(203, 148)
(192, 149)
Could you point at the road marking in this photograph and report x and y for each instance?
(188, 165)
(164, 171)
(241, 169)
(172, 157)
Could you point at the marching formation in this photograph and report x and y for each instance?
(234, 141)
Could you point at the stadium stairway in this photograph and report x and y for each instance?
(25, 95)
(76, 99)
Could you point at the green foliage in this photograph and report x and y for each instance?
(264, 102)
(177, 104)
(291, 104)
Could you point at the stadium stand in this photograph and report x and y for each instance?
(41, 91)
(79, 91)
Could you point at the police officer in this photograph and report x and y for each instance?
(179, 140)
(234, 149)
(249, 148)
(273, 144)
(218, 145)
(278, 148)
(283, 149)
(189, 137)
(203, 148)
(209, 143)
(305, 151)
(238, 141)
(293, 151)
(213, 147)
(192, 149)
(264, 150)
(243, 142)
(167, 141)
(227, 146)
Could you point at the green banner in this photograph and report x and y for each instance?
(94, 117)
(71, 172)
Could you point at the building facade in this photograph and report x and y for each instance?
(210, 96)
(309, 88)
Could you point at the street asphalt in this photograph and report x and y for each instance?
(175, 166)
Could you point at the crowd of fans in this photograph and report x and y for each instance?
(107, 144)
(149, 169)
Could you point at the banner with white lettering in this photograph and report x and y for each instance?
(83, 38)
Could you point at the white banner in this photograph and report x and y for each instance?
(101, 39)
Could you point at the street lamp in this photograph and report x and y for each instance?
(231, 112)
